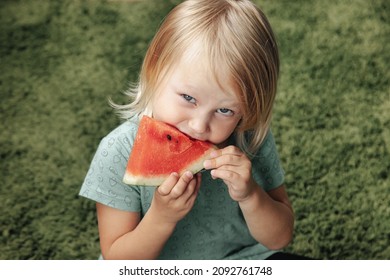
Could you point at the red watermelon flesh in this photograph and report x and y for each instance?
(160, 149)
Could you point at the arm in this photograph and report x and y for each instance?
(124, 235)
(269, 215)
(271, 211)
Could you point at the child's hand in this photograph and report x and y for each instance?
(232, 166)
(174, 198)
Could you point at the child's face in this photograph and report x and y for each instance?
(192, 101)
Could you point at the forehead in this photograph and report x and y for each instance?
(195, 62)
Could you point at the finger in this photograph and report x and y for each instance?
(226, 175)
(166, 187)
(198, 181)
(182, 184)
(227, 150)
(193, 186)
(192, 194)
(189, 190)
(227, 160)
(230, 155)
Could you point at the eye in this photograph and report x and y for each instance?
(189, 98)
(225, 111)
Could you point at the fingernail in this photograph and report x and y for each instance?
(213, 154)
(207, 164)
(189, 174)
(212, 174)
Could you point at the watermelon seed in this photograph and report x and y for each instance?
(169, 137)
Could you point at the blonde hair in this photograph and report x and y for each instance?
(234, 34)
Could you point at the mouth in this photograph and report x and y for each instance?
(195, 138)
(192, 136)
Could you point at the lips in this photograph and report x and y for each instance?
(193, 136)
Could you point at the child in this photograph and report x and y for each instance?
(211, 71)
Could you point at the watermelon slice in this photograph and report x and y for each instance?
(160, 149)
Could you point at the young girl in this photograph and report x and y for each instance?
(211, 71)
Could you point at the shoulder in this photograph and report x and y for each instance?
(266, 164)
(267, 147)
(120, 140)
(103, 182)
(112, 154)
(124, 133)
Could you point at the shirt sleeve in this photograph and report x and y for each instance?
(103, 182)
(266, 166)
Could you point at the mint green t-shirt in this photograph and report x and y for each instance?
(213, 229)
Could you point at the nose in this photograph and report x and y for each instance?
(199, 124)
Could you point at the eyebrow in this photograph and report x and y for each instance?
(193, 89)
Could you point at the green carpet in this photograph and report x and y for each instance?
(61, 60)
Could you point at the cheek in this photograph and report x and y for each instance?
(159, 106)
(220, 133)
(156, 110)
(168, 113)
